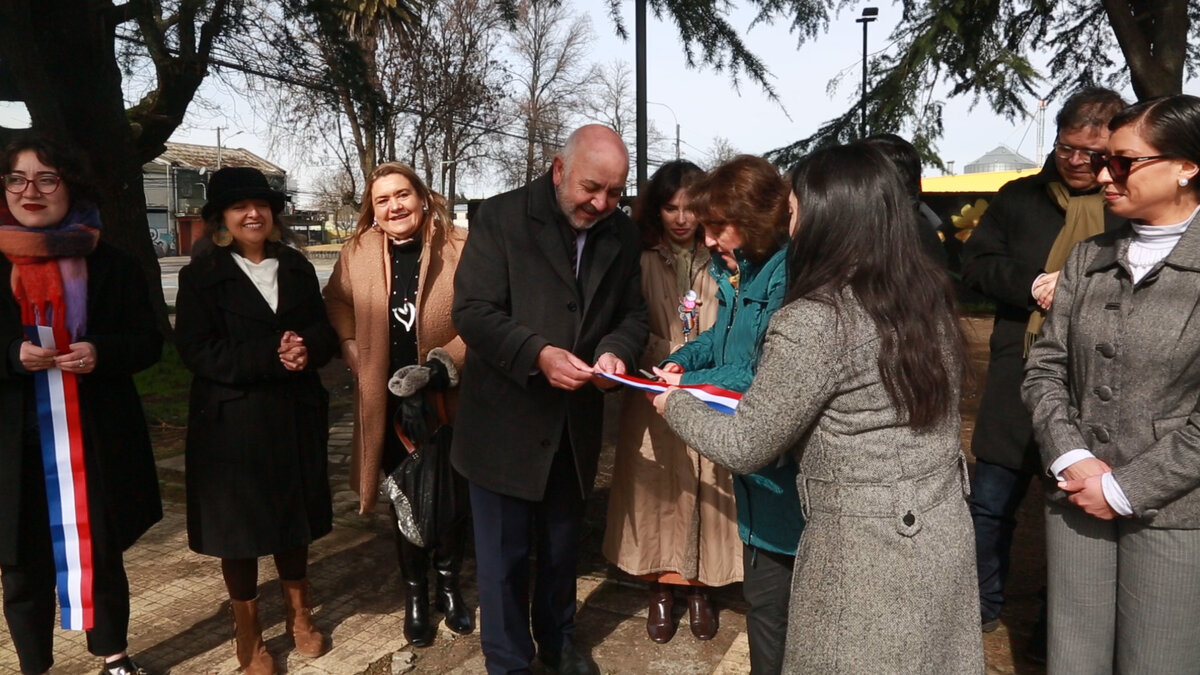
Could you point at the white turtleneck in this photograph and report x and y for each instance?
(265, 276)
(1152, 243)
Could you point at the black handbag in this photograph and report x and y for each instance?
(428, 494)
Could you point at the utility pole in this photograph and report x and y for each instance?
(868, 15)
(640, 66)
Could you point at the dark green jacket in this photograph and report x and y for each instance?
(726, 355)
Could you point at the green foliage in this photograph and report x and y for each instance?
(981, 50)
(164, 389)
(707, 36)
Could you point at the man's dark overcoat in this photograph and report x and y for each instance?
(515, 293)
(1004, 255)
(257, 475)
(121, 477)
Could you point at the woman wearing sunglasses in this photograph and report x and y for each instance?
(1114, 389)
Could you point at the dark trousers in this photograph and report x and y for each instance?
(506, 531)
(996, 493)
(767, 586)
(29, 597)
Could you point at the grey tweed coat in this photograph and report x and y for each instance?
(1117, 372)
(885, 574)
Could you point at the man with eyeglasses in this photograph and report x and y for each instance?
(1013, 258)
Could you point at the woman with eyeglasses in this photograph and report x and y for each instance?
(78, 484)
(1114, 389)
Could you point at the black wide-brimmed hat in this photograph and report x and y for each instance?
(235, 183)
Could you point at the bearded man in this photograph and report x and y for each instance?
(547, 295)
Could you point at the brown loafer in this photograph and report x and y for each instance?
(702, 614)
(660, 619)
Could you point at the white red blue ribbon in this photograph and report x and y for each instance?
(717, 398)
(61, 428)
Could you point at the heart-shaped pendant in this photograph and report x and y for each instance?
(406, 315)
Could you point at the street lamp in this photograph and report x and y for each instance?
(239, 133)
(868, 15)
(676, 125)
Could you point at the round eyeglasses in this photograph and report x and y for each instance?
(44, 183)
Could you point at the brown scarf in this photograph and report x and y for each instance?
(1084, 219)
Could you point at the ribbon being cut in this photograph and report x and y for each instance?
(717, 398)
(49, 282)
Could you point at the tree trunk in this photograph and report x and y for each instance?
(1153, 38)
(61, 55)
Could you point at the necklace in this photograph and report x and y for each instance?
(404, 308)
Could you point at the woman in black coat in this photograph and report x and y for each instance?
(49, 233)
(251, 326)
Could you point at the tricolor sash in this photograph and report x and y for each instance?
(717, 398)
(57, 395)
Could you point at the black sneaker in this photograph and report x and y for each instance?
(123, 666)
(988, 625)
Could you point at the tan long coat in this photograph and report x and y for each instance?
(357, 301)
(670, 510)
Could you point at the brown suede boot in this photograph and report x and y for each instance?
(252, 654)
(309, 641)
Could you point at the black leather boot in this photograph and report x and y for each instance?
(414, 567)
(447, 563)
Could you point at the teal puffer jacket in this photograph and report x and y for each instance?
(726, 355)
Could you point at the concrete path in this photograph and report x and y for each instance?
(181, 623)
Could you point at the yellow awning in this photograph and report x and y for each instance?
(973, 182)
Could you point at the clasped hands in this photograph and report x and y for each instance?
(80, 358)
(566, 371)
(1084, 483)
(292, 351)
(1043, 289)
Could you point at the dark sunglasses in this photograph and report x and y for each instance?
(1119, 165)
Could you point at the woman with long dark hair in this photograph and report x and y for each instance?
(251, 326)
(1114, 389)
(671, 515)
(859, 382)
(75, 325)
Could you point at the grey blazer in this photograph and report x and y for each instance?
(1117, 372)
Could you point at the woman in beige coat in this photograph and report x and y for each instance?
(671, 515)
(389, 300)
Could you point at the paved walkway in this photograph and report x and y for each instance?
(181, 624)
(180, 619)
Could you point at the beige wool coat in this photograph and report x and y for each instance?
(357, 301)
(670, 510)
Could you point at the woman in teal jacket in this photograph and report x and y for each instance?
(743, 206)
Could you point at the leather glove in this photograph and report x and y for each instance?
(412, 418)
(443, 373)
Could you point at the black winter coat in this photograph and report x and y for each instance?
(121, 476)
(515, 293)
(1002, 258)
(257, 475)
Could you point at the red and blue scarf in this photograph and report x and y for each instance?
(49, 282)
